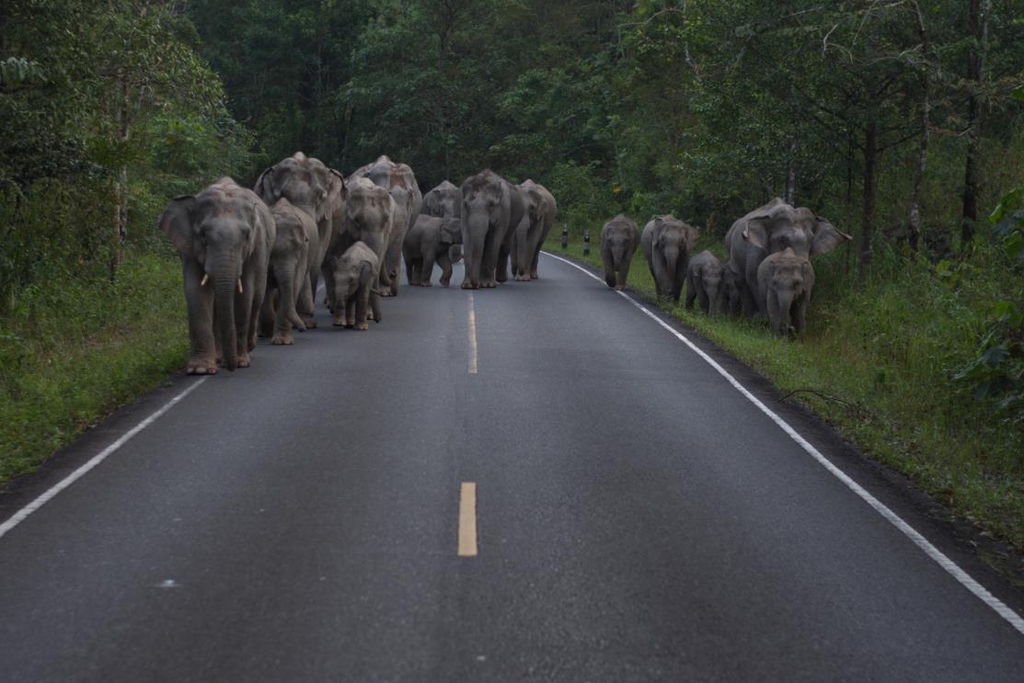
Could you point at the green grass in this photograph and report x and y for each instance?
(72, 352)
(878, 363)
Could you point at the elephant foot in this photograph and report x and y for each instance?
(309, 322)
(283, 340)
(444, 283)
(533, 275)
(489, 284)
(468, 285)
(362, 327)
(426, 284)
(619, 288)
(198, 366)
(243, 360)
(387, 293)
(339, 322)
(521, 278)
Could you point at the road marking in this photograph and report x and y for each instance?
(467, 520)
(472, 335)
(46, 497)
(953, 569)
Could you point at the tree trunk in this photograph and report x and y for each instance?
(870, 188)
(977, 19)
(922, 151)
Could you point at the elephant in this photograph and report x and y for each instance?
(430, 240)
(319, 191)
(705, 281)
(491, 210)
(288, 272)
(400, 181)
(667, 242)
(223, 234)
(619, 239)
(443, 201)
(770, 229)
(356, 286)
(530, 234)
(369, 217)
(785, 280)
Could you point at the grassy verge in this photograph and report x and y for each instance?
(72, 352)
(877, 364)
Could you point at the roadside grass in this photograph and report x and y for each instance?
(878, 363)
(71, 352)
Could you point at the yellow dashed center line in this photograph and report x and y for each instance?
(472, 336)
(467, 520)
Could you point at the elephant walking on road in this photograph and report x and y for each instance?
(491, 210)
(430, 241)
(667, 242)
(619, 239)
(356, 281)
(369, 217)
(224, 234)
(530, 234)
(288, 272)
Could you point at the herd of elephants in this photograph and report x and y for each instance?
(253, 259)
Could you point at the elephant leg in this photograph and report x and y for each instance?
(800, 316)
(305, 305)
(445, 261)
(623, 273)
(267, 317)
(473, 253)
(203, 356)
(285, 313)
(412, 275)
(427, 269)
(521, 252)
(705, 302)
(328, 274)
(246, 318)
(361, 299)
(350, 312)
(375, 303)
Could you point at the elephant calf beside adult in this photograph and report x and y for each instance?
(224, 236)
(356, 286)
(706, 283)
(667, 242)
(288, 272)
(429, 241)
(771, 229)
(785, 281)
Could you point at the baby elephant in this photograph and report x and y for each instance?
(430, 240)
(356, 284)
(705, 281)
(785, 280)
(619, 239)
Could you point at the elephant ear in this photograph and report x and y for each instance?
(344, 187)
(265, 186)
(176, 223)
(692, 234)
(826, 237)
(757, 231)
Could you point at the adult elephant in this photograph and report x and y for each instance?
(288, 272)
(224, 236)
(400, 181)
(320, 191)
(540, 207)
(491, 210)
(443, 201)
(667, 242)
(770, 229)
(369, 217)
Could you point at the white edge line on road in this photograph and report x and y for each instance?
(920, 541)
(46, 497)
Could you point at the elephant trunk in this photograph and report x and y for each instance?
(225, 283)
(474, 237)
(618, 255)
(671, 254)
(783, 317)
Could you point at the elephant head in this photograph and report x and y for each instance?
(785, 280)
(216, 232)
(444, 200)
(785, 227)
(304, 181)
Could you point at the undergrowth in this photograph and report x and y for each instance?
(73, 351)
(879, 362)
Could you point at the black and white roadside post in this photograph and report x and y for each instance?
(565, 236)
(586, 243)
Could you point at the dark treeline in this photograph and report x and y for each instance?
(895, 118)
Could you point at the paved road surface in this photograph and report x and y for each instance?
(637, 519)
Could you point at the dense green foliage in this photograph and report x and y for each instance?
(896, 119)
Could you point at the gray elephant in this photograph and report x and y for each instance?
(785, 281)
(319, 191)
(619, 239)
(530, 234)
(224, 235)
(368, 217)
(491, 209)
(667, 242)
(430, 240)
(705, 282)
(400, 181)
(356, 286)
(770, 229)
(443, 201)
(288, 272)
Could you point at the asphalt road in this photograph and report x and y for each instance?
(637, 518)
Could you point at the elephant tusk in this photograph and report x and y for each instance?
(240, 286)
(206, 278)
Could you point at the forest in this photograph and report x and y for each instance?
(899, 120)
